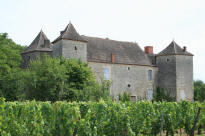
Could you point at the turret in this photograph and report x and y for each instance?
(175, 71)
(70, 44)
(41, 45)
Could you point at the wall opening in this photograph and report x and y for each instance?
(133, 98)
(76, 48)
(129, 85)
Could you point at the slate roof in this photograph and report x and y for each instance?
(40, 43)
(174, 49)
(99, 50)
(70, 34)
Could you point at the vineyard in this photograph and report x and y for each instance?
(33, 118)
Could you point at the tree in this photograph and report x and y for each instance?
(61, 79)
(10, 54)
(10, 71)
(47, 79)
(199, 91)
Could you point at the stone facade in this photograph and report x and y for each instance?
(130, 78)
(76, 49)
(124, 63)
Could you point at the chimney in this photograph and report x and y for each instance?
(112, 57)
(148, 49)
(184, 48)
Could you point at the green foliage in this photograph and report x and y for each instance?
(125, 97)
(51, 79)
(96, 118)
(62, 79)
(199, 91)
(10, 54)
(162, 95)
(10, 71)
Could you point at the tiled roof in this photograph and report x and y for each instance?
(99, 50)
(174, 49)
(70, 34)
(40, 43)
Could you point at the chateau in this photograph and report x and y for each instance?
(124, 63)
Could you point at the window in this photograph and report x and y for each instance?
(168, 59)
(128, 68)
(149, 75)
(150, 94)
(133, 98)
(75, 48)
(107, 73)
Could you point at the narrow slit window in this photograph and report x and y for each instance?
(76, 48)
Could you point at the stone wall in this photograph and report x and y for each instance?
(175, 75)
(184, 73)
(167, 73)
(57, 49)
(27, 57)
(70, 49)
(130, 78)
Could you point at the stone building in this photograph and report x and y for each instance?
(124, 63)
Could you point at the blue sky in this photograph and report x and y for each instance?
(147, 22)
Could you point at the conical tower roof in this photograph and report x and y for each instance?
(40, 43)
(174, 49)
(70, 34)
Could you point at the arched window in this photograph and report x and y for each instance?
(149, 75)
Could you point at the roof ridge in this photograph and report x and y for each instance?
(40, 35)
(109, 39)
(174, 47)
